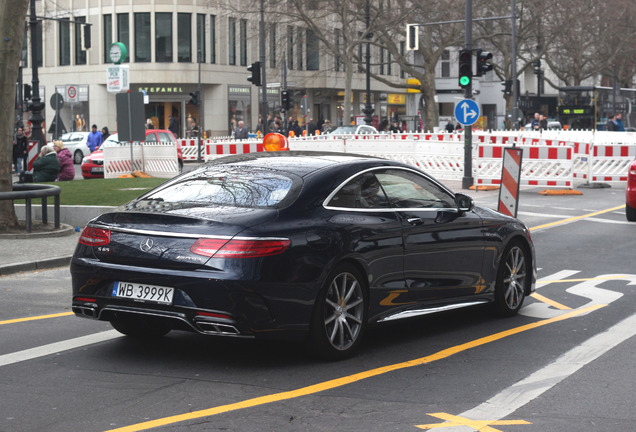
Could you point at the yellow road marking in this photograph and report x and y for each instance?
(34, 318)
(575, 218)
(549, 301)
(339, 382)
(478, 425)
(583, 279)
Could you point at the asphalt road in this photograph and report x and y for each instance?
(564, 364)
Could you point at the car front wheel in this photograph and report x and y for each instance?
(513, 277)
(630, 213)
(340, 316)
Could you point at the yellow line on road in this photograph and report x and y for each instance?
(34, 318)
(339, 382)
(546, 300)
(575, 218)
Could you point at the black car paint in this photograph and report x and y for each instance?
(274, 296)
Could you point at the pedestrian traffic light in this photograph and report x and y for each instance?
(285, 100)
(27, 92)
(412, 38)
(483, 62)
(465, 68)
(194, 98)
(255, 69)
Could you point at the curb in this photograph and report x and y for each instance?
(35, 265)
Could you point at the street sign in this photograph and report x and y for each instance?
(117, 78)
(71, 93)
(57, 101)
(467, 112)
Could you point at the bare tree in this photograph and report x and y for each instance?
(12, 16)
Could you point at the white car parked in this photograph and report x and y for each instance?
(75, 142)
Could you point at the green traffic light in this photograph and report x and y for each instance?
(464, 80)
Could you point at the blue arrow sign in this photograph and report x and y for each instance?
(467, 112)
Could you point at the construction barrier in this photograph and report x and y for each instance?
(551, 158)
(157, 159)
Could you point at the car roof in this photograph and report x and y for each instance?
(301, 163)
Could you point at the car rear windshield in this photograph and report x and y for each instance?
(230, 186)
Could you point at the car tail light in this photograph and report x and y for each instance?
(250, 248)
(213, 315)
(92, 236)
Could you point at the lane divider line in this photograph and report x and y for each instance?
(575, 218)
(34, 318)
(339, 382)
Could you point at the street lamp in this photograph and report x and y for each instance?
(36, 103)
(368, 109)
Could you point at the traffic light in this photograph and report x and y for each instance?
(507, 90)
(255, 68)
(483, 62)
(27, 92)
(465, 67)
(194, 98)
(85, 31)
(285, 100)
(412, 38)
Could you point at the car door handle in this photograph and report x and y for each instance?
(415, 221)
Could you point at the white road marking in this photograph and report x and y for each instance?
(547, 215)
(620, 222)
(542, 310)
(44, 350)
(511, 399)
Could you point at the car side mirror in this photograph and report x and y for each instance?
(464, 202)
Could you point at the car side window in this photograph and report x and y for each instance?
(406, 189)
(166, 137)
(363, 191)
(151, 137)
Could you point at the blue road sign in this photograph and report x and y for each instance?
(467, 112)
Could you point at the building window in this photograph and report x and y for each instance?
(123, 33)
(201, 38)
(301, 51)
(243, 42)
(313, 52)
(231, 41)
(389, 61)
(163, 37)
(381, 61)
(446, 64)
(360, 57)
(272, 46)
(184, 37)
(212, 38)
(290, 47)
(142, 37)
(108, 36)
(65, 42)
(337, 42)
(402, 51)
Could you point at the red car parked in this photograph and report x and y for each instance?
(630, 193)
(93, 164)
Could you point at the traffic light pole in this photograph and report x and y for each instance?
(263, 70)
(467, 180)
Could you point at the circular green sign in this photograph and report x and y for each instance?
(117, 52)
(464, 80)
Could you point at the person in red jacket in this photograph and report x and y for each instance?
(67, 169)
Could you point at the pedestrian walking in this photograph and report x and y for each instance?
(241, 131)
(65, 158)
(95, 139)
(20, 150)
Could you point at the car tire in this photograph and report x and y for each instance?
(630, 213)
(513, 277)
(139, 327)
(340, 316)
(77, 157)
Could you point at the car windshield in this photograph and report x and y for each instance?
(229, 186)
(344, 130)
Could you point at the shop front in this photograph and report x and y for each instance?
(240, 107)
(166, 100)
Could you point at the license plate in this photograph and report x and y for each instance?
(97, 169)
(143, 292)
